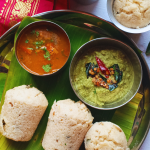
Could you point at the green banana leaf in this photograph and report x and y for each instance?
(148, 49)
(58, 87)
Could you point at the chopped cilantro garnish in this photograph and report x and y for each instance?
(27, 41)
(38, 42)
(33, 31)
(51, 40)
(30, 48)
(65, 143)
(36, 47)
(37, 33)
(47, 55)
(94, 91)
(46, 68)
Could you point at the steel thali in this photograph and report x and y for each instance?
(101, 28)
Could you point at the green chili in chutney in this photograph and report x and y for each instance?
(43, 50)
(94, 85)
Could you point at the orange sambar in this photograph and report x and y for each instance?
(43, 48)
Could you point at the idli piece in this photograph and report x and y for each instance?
(68, 122)
(132, 13)
(21, 112)
(105, 136)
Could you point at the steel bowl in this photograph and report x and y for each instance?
(115, 44)
(50, 25)
(120, 26)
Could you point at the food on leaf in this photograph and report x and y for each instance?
(108, 89)
(40, 49)
(21, 112)
(105, 136)
(68, 122)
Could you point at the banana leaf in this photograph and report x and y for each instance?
(58, 88)
(148, 49)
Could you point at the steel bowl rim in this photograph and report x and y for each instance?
(105, 38)
(47, 22)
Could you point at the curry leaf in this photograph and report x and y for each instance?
(88, 67)
(104, 79)
(117, 74)
(46, 68)
(148, 49)
(112, 87)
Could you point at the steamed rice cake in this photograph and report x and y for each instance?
(132, 13)
(68, 122)
(22, 111)
(105, 136)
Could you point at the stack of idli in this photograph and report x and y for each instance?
(21, 112)
(68, 122)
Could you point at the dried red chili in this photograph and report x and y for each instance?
(102, 67)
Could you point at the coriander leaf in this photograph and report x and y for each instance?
(38, 42)
(37, 33)
(43, 48)
(51, 40)
(33, 31)
(27, 41)
(94, 91)
(30, 48)
(37, 47)
(46, 68)
(47, 55)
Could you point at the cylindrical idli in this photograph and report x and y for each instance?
(68, 123)
(105, 136)
(22, 111)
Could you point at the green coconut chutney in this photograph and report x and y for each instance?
(100, 95)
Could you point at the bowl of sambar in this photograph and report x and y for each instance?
(42, 48)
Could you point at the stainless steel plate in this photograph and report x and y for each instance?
(104, 29)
